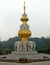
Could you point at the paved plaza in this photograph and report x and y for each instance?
(34, 63)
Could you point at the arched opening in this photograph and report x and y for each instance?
(23, 59)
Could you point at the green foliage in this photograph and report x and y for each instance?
(42, 50)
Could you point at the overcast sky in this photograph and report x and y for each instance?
(11, 11)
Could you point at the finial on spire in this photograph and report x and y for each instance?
(24, 7)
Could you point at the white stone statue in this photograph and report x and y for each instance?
(23, 27)
(31, 46)
(18, 46)
(27, 46)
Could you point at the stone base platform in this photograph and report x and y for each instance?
(26, 55)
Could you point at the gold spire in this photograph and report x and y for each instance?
(24, 17)
(24, 34)
(24, 7)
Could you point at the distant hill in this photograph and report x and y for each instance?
(41, 43)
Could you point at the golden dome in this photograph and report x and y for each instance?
(24, 34)
(24, 18)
